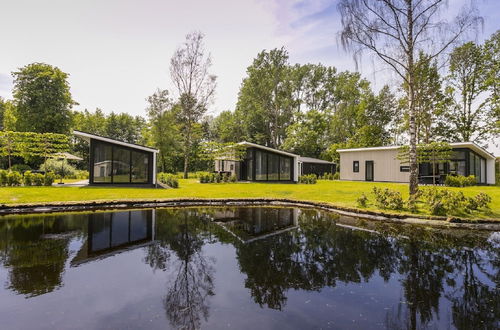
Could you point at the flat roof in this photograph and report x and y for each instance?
(88, 136)
(314, 160)
(470, 145)
(250, 144)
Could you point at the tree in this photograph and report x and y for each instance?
(469, 118)
(492, 65)
(2, 112)
(43, 99)
(395, 31)
(189, 70)
(308, 135)
(9, 117)
(265, 99)
(164, 130)
(124, 127)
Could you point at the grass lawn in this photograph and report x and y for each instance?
(340, 193)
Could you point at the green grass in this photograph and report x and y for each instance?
(338, 193)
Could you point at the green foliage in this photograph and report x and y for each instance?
(445, 202)
(217, 178)
(362, 200)
(211, 150)
(43, 99)
(21, 168)
(3, 177)
(59, 167)
(327, 176)
(28, 178)
(38, 179)
(388, 199)
(460, 181)
(14, 178)
(169, 179)
(48, 178)
(308, 179)
(336, 176)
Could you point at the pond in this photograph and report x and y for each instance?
(242, 268)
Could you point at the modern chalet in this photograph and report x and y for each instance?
(261, 164)
(120, 163)
(382, 164)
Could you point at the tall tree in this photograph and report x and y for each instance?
(265, 101)
(2, 112)
(492, 65)
(189, 70)
(164, 130)
(395, 31)
(43, 99)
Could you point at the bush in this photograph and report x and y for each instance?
(14, 178)
(308, 179)
(48, 178)
(388, 199)
(169, 179)
(28, 178)
(3, 177)
(460, 181)
(80, 174)
(55, 166)
(446, 202)
(21, 168)
(37, 179)
(233, 178)
(362, 200)
(336, 176)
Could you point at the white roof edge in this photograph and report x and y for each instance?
(471, 145)
(88, 136)
(250, 144)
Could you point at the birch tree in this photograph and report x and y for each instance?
(395, 31)
(189, 71)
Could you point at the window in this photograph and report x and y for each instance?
(102, 162)
(285, 168)
(121, 165)
(404, 169)
(355, 166)
(260, 166)
(140, 167)
(273, 166)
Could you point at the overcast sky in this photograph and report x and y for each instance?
(117, 52)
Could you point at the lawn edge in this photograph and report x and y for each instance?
(437, 221)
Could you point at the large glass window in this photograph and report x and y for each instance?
(116, 164)
(121, 165)
(102, 163)
(273, 166)
(140, 167)
(285, 168)
(260, 166)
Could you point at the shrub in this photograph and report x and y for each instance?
(28, 178)
(58, 168)
(388, 199)
(233, 178)
(446, 202)
(327, 176)
(362, 200)
(80, 174)
(37, 179)
(460, 180)
(3, 177)
(14, 178)
(336, 176)
(308, 179)
(169, 179)
(21, 168)
(48, 178)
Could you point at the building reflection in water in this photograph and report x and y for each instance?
(110, 233)
(255, 223)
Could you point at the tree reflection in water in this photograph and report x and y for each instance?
(184, 233)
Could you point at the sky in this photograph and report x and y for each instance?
(117, 52)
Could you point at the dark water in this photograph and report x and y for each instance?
(244, 268)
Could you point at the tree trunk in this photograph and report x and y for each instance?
(186, 163)
(411, 106)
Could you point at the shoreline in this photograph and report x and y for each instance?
(435, 221)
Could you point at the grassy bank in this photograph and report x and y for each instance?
(339, 193)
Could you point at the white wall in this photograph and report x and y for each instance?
(490, 171)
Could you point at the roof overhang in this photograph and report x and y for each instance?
(249, 144)
(469, 145)
(87, 137)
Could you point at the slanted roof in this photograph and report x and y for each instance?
(250, 144)
(89, 136)
(470, 145)
(313, 160)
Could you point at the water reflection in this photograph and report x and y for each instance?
(404, 277)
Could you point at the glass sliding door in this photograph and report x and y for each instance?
(260, 166)
(273, 167)
(103, 162)
(140, 167)
(121, 165)
(285, 168)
